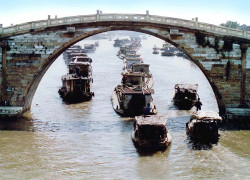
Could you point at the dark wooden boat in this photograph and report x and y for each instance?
(185, 96)
(155, 52)
(77, 84)
(167, 53)
(151, 132)
(75, 89)
(89, 48)
(135, 93)
(203, 126)
(131, 102)
(121, 42)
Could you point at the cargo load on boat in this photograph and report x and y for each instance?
(185, 96)
(76, 85)
(151, 132)
(134, 95)
(203, 126)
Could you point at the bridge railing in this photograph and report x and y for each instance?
(125, 17)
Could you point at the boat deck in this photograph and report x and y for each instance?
(151, 120)
(128, 90)
(75, 77)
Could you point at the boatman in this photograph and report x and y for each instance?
(147, 110)
(198, 105)
(124, 81)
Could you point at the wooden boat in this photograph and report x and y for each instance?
(70, 53)
(70, 50)
(124, 51)
(89, 48)
(185, 95)
(147, 76)
(121, 42)
(131, 98)
(97, 43)
(167, 53)
(203, 126)
(77, 84)
(73, 55)
(151, 132)
(155, 52)
(179, 54)
(128, 61)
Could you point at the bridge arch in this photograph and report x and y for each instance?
(32, 51)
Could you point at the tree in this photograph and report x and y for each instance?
(231, 24)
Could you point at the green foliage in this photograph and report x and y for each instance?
(202, 40)
(228, 45)
(216, 44)
(231, 24)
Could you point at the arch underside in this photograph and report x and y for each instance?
(156, 30)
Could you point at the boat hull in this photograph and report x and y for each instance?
(149, 144)
(184, 104)
(203, 131)
(71, 97)
(131, 112)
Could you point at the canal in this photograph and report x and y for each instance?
(90, 141)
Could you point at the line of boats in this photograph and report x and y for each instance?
(150, 131)
(133, 98)
(134, 94)
(169, 50)
(77, 83)
(134, 41)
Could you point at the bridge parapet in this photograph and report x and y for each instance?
(220, 30)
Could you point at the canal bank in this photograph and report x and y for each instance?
(238, 118)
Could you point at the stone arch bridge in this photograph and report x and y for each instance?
(27, 51)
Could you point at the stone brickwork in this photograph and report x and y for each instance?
(248, 87)
(0, 69)
(248, 59)
(248, 77)
(31, 54)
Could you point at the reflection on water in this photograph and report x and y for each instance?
(90, 141)
(16, 124)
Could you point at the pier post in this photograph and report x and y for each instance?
(49, 21)
(97, 15)
(243, 48)
(147, 15)
(1, 28)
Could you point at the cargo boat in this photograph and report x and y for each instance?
(151, 132)
(77, 83)
(203, 126)
(135, 93)
(89, 48)
(130, 60)
(185, 96)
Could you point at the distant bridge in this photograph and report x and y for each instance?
(27, 51)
